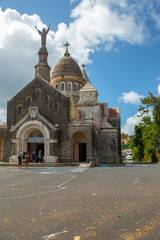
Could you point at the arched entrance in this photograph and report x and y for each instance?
(35, 142)
(79, 146)
(33, 136)
(1, 147)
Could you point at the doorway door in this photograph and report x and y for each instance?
(79, 147)
(82, 152)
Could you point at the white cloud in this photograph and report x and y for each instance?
(159, 89)
(129, 126)
(19, 42)
(95, 24)
(2, 115)
(131, 97)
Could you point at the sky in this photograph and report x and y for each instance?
(118, 41)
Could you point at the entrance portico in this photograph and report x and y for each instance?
(23, 137)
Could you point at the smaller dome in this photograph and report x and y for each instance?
(67, 66)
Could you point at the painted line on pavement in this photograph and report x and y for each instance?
(18, 183)
(66, 181)
(33, 195)
(48, 237)
(104, 166)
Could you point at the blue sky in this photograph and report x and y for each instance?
(118, 41)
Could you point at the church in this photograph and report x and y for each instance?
(61, 116)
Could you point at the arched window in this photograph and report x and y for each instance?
(56, 86)
(19, 108)
(46, 100)
(37, 93)
(112, 145)
(62, 87)
(28, 100)
(68, 86)
(75, 87)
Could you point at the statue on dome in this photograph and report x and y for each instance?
(43, 34)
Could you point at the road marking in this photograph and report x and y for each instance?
(45, 173)
(15, 184)
(66, 181)
(48, 237)
(104, 166)
(78, 170)
(33, 195)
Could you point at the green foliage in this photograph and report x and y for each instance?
(124, 136)
(146, 139)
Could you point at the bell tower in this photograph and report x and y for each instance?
(42, 69)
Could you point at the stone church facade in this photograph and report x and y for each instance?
(61, 116)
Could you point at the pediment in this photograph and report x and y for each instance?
(33, 114)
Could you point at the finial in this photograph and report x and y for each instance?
(83, 65)
(67, 45)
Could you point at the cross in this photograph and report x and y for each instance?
(66, 45)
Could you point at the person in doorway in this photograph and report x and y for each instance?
(20, 161)
(23, 155)
(40, 156)
(27, 157)
(33, 157)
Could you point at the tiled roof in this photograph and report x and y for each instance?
(112, 113)
(2, 124)
(88, 88)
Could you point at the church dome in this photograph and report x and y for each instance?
(67, 76)
(67, 66)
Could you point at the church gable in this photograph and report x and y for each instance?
(41, 94)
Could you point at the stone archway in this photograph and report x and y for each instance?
(19, 144)
(35, 143)
(79, 147)
(1, 147)
(24, 132)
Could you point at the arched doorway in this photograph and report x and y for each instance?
(1, 147)
(79, 146)
(35, 142)
(33, 134)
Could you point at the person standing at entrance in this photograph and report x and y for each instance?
(27, 157)
(20, 161)
(33, 157)
(40, 156)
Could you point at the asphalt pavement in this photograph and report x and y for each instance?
(71, 203)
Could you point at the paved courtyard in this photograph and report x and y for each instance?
(105, 203)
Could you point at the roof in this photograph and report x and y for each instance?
(2, 124)
(84, 74)
(88, 88)
(112, 113)
(67, 66)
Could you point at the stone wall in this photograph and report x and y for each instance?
(6, 136)
(109, 147)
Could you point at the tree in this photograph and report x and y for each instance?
(151, 129)
(137, 142)
(124, 136)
